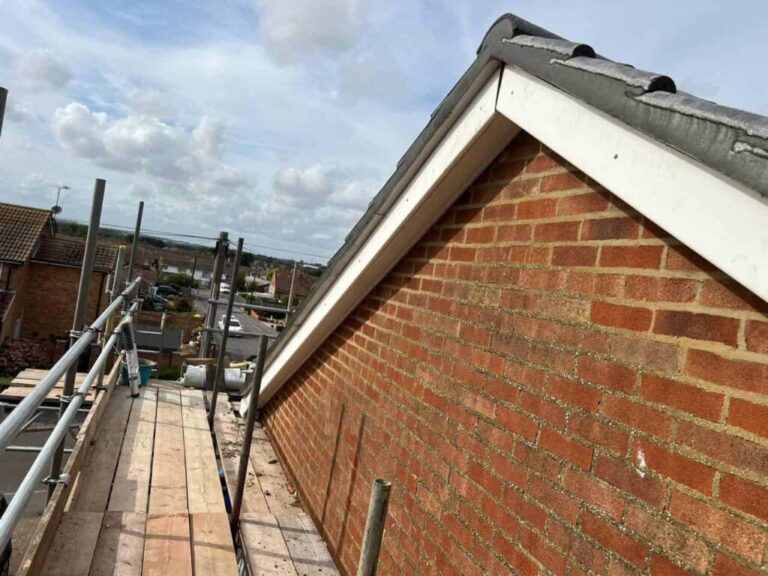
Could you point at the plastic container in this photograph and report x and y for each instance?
(145, 371)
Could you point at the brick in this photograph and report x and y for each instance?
(545, 162)
(745, 540)
(675, 466)
(574, 255)
(653, 289)
(682, 396)
(697, 326)
(638, 416)
(660, 566)
(631, 256)
(560, 503)
(534, 209)
(516, 422)
(602, 284)
(480, 235)
(630, 480)
(575, 453)
(649, 354)
(514, 233)
(499, 213)
(619, 316)
(571, 392)
(609, 229)
(757, 336)
(739, 374)
(682, 258)
(556, 232)
(743, 495)
(595, 493)
(724, 447)
(717, 294)
(611, 537)
(725, 566)
(563, 181)
(680, 544)
(749, 416)
(502, 171)
(603, 434)
(542, 408)
(582, 204)
(606, 374)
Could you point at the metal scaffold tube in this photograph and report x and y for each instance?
(242, 471)
(374, 528)
(10, 427)
(222, 245)
(36, 471)
(225, 335)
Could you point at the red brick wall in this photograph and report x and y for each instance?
(49, 299)
(16, 282)
(554, 385)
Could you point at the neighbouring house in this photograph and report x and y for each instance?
(280, 285)
(199, 267)
(41, 274)
(549, 331)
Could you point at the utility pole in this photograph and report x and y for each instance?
(194, 269)
(218, 380)
(222, 246)
(290, 293)
(78, 323)
(3, 97)
(135, 244)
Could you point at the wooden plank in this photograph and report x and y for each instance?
(265, 549)
(203, 484)
(74, 544)
(308, 550)
(120, 548)
(39, 544)
(272, 478)
(41, 373)
(212, 549)
(167, 545)
(230, 442)
(95, 482)
(168, 489)
(20, 392)
(130, 491)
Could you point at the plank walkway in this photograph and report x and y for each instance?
(25, 381)
(277, 536)
(149, 499)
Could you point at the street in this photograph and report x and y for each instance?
(238, 348)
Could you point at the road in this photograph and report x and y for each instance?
(245, 346)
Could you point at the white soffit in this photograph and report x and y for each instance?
(476, 138)
(719, 219)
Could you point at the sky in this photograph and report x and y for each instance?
(279, 120)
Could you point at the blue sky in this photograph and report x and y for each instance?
(279, 121)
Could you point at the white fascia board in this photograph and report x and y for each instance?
(474, 140)
(721, 220)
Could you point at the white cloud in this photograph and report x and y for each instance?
(297, 30)
(319, 186)
(19, 113)
(39, 68)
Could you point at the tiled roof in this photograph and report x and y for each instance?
(70, 253)
(20, 231)
(6, 299)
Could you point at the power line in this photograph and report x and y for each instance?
(196, 237)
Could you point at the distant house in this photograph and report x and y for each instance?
(280, 287)
(200, 267)
(40, 274)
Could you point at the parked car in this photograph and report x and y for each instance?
(224, 288)
(166, 290)
(155, 303)
(235, 328)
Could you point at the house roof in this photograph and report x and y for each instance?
(20, 231)
(729, 143)
(68, 252)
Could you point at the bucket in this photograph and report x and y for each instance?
(145, 371)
